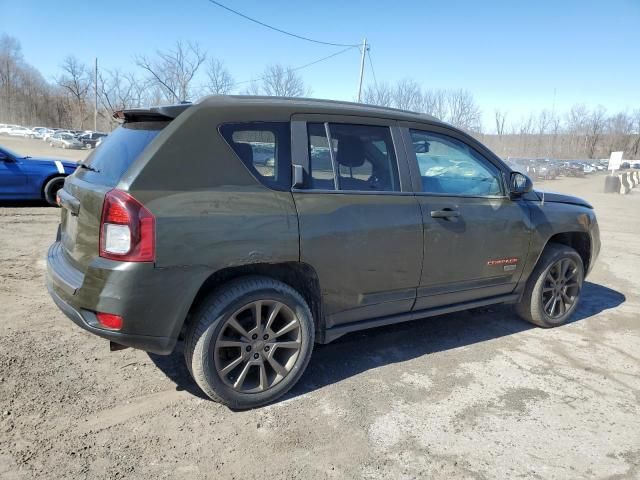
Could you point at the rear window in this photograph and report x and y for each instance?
(119, 150)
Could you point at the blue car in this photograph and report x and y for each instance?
(29, 178)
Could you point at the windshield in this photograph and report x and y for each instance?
(11, 153)
(119, 150)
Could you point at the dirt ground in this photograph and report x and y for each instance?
(474, 395)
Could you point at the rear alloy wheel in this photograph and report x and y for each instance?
(553, 289)
(250, 342)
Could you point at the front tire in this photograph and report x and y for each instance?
(553, 289)
(250, 342)
(51, 190)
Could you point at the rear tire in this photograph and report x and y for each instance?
(553, 290)
(245, 359)
(51, 190)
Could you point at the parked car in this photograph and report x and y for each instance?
(546, 170)
(572, 169)
(90, 140)
(587, 168)
(39, 132)
(29, 178)
(524, 165)
(625, 165)
(48, 133)
(252, 266)
(21, 132)
(5, 129)
(65, 140)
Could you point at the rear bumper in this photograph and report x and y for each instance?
(153, 302)
(87, 320)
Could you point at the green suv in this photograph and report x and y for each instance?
(250, 228)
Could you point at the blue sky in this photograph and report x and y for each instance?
(511, 55)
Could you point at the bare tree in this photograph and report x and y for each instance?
(380, 94)
(76, 82)
(635, 143)
(10, 60)
(596, 123)
(174, 70)
(463, 112)
(220, 80)
(280, 81)
(407, 95)
(434, 102)
(501, 118)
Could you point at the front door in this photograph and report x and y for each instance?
(475, 237)
(360, 226)
(13, 179)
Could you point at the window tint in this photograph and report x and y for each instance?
(119, 150)
(264, 147)
(362, 156)
(449, 166)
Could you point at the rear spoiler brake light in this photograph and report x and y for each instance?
(157, 114)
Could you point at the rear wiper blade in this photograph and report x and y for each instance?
(88, 167)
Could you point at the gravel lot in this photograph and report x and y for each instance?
(475, 395)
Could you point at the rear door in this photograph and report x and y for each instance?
(84, 191)
(475, 237)
(360, 225)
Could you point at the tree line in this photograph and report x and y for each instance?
(186, 72)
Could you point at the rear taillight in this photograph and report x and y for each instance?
(127, 229)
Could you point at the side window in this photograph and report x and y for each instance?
(265, 148)
(449, 166)
(362, 157)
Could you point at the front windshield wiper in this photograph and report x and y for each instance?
(88, 167)
(27, 157)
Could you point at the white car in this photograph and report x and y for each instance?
(38, 132)
(22, 132)
(5, 129)
(49, 133)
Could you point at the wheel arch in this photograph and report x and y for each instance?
(300, 276)
(579, 241)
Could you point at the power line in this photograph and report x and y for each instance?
(301, 66)
(375, 80)
(300, 37)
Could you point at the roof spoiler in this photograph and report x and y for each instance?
(164, 113)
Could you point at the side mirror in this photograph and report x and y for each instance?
(519, 184)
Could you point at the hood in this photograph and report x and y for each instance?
(554, 197)
(49, 161)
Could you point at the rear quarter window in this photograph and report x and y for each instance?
(119, 150)
(264, 148)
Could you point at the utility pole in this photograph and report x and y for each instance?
(364, 52)
(95, 110)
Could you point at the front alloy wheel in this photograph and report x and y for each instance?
(553, 289)
(561, 288)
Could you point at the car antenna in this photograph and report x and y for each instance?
(542, 201)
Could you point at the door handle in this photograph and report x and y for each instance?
(445, 213)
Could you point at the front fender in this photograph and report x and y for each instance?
(549, 219)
